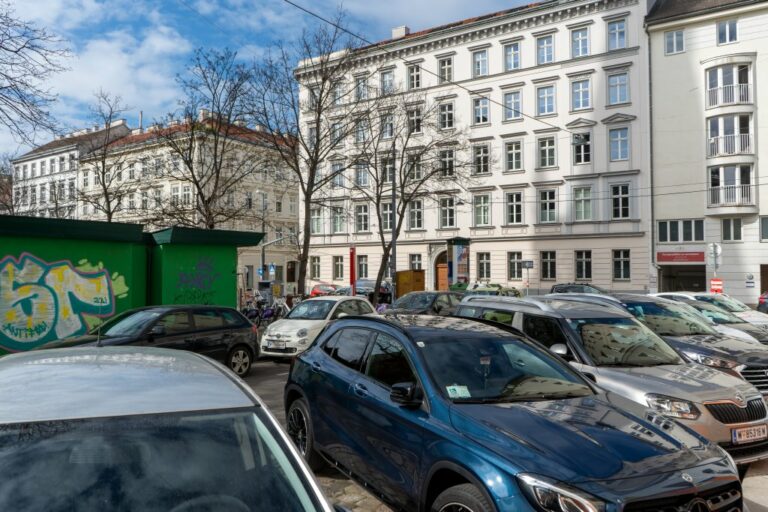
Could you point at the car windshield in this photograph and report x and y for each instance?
(669, 319)
(716, 314)
(415, 301)
(482, 292)
(231, 461)
(727, 303)
(311, 310)
(622, 342)
(476, 369)
(127, 324)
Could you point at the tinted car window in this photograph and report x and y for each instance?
(668, 319)
(128, 323)
(442, 302)
(496, 315)
(207, 319)
(350, 347)
(311, 310)
(387, 362)
(363, 307)
(175, 322)
(544, 330)
(232, 319)
(348, 307)
(469, 312)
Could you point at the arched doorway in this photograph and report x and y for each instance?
(441, 271)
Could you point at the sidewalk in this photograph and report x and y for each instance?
(755, 487)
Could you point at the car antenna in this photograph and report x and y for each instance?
(98, 329)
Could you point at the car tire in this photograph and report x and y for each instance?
(240, 360)
(462, 498)
(299, 427)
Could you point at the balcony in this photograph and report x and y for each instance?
(737, 94)
(738, 144)
(731, 195)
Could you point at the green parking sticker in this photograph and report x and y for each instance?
(457, 391)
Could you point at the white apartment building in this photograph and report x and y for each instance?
(554, 97)
(707, 61)
(45, 180)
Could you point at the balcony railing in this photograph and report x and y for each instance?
(737, 94)
(730, 145)
(732, 195)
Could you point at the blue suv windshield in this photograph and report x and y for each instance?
(499, 369)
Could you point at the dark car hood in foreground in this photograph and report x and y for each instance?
(719, 345)
(602, 437)
(406, 311)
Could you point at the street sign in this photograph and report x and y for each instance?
(271, 269)
(714, 251)
(716, 285)
(527, 263)
(261, 272)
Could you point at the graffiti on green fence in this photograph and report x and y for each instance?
(43, 301)
(197, 287)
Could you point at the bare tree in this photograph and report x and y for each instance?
(102, 162)
(9, 199)
(308, 82)
(29, 56)
(57, 204)
(212, 152)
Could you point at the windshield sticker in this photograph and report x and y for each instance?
(456, 391)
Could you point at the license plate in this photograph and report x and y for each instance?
(275, 344)
(749, 434)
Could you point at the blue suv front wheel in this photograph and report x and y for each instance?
(461, 498)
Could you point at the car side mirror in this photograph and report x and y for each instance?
(562, 350)
(341, 315)
(407, 394)
(157, 330)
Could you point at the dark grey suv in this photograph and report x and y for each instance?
(217, 332)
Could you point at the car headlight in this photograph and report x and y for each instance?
(673, 407)
(551, 496)
(731, 462)
(301, 333)
(712, 361)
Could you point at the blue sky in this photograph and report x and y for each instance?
(135, 48)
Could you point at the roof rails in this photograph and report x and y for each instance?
(589, 297)
(526, 301)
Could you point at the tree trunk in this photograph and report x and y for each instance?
(380, 274)
(304, 253)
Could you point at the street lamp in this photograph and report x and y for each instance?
(263, 231)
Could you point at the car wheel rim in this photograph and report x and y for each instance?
(297, 429)
(241, 361)
(455, 507)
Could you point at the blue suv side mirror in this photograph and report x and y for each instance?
(407, 394)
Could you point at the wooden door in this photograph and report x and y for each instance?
(442, 276)
(763, 278)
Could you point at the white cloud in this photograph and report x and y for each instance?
(60, 15)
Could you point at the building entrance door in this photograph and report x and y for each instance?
(441, 271)
(678, 278)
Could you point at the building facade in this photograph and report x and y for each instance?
(707, 145)
(553, 100)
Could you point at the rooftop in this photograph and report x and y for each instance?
(78, 138)
(73, 383)
(670, 10)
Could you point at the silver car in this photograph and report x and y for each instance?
(125, 428)
(622, 355)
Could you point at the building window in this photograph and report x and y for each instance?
(617, 35)
(547, 156)
(337, 134)
(727, 32)
(620, 200)
(311, 138)
(337, 220)
(621, 263)
(445, 116)
(763, 228)
(416, 214)
(158, 196)
(447, 212)
(414, 121)
(387, 82)
(514, 152)
(728, 85)
(511, 56)
(86, 175)
(174, 195)
(43, 197)
(445, 68)
(618, 88)
(131, 202)
(729, 135)
(512, 106)
(361, 175)
(481, 155)
(545, 49)
(361, 88)
(361, 131)
(414, 170)
(387, 123)
(144, 200)
(582, 148)
(619, 143)
(362, 266)
(315, 221)
(337, 175)
(388, 170)
(131, 171)
(33, 195)
(481, 112)
(582, 203)
(731, 185)
(414, 261)
(547, 206)
(480, 63)
(732, 230)
(387, 217)
(314, 267)
(583, 265)
(446, 163)
(361, 218)
(482, 209)
(580, 97)
(338, 267)
(514, 208)
(414, 76)
(545, 104)
(580, 42)
(186, 195)
(514, 266)
(674, 42)
(483, 266)
(548, 265)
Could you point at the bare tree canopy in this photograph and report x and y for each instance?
(8, 200)
(29, 56)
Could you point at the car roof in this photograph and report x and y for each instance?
(432, 329)
(549, 306)
(90, 382)
(334, 298)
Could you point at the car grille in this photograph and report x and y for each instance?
(732, 413)
(757, 376)
(722, 499)
(746, 451)
(288, 350)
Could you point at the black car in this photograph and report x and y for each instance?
(217, 332)
(425, 303)
(364, 288)
(576, 288)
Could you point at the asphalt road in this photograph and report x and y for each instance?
(268, 378)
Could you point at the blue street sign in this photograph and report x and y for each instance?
(261, 272)
(272, 269)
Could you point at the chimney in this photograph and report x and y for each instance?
(400, 31)
(204, 114)
(141, 121)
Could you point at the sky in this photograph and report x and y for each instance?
(136, 48)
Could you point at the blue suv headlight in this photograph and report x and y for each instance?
(550, 496)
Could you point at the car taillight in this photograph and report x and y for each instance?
(254, 329)
(761, 299)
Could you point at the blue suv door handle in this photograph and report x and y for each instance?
(316, 366)
(361, 390)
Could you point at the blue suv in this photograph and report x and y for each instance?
(445, 414)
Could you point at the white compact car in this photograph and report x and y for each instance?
(294, 333)
(723, 301)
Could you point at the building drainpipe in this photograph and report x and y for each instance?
(651, 163)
